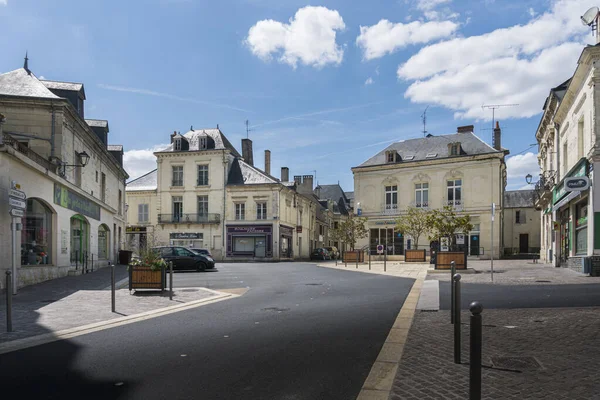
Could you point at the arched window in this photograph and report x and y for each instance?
(103, 241)
(36, 236)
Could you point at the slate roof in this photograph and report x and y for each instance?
(144, 182)
(97, 123)
(193, 137)
(21, 83)
(438, 145)
(335, 193)
(114, 147)
(71, 86)
(349, 195)
(242, 173)
(518, 199)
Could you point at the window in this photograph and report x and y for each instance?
(261, 210)
(565, 160)
(581, 220)
(36, 235)
(391, 197)
(335, 225)
(580, 128)
(454, 149)
(202, 175)
(422, 195)
(391, 156)
(177, 144)
(177, 208)
(142, 213)
(520, 217)
(240, 211)
(96, 176)
(182, 252)
(454, 192)
(103, 187)
(120, 202)
(202, 206)
(177, 175)
(103, 240)
(202, 143)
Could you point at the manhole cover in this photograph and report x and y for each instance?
(542, 281)
(313, 284)
(277, 309)
(517, 363)
(188, 290)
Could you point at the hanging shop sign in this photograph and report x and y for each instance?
(577, 184)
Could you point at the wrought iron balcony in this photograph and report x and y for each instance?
(455, 204)
(421, 204)
(189, 218)
(390, 209)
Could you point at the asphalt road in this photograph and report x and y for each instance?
(523, 296)
(300, 332)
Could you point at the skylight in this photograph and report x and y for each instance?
(431, 155)
(409, 157)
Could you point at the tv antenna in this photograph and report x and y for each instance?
(248, 129)
(424, 119)
(590, 18)
(494, 107)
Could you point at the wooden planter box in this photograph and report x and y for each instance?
(350, 256)
(443, 259)
(145, 278)
(414, 255)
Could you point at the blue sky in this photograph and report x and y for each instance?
(325, 85)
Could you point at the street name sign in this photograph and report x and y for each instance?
(17, 203)
(17, 194)
(15, 212)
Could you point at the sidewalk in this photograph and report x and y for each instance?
(392, 268)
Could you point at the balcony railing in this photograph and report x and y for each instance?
(32, 155)
(421, 204)
(189, 218)
(455, 204)
(390, 209)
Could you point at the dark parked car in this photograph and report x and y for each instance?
(333, 252)
(185, 258)
(202, 251)
(320, 254)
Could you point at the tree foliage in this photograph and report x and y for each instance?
(350, 230)
(444, 222)
(414, 223)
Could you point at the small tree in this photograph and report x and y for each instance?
(444, 222)
(350, 230)
(415, 223)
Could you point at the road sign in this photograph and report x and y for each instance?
(17, 203)
(17, 194)
(578, 183)
(379, 249)
(15, 212)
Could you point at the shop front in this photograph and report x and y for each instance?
(384, 233)
(286, 241)
(187, 239)
(37, 234)
(255, 241)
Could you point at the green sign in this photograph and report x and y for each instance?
(580, 169)
(73, 201)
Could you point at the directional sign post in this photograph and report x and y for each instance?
(17, 194)
(15, 203)
(15, 212)
(17, 200)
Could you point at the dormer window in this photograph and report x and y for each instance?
(454, 149)
(202, 144)
(177, 144)
(392, 156)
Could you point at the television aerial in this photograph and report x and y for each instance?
(590, 18)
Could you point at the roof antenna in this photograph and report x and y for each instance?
(494, 107)
(26, 64)
(248, 129)
(424, 119)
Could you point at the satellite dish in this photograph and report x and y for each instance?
(590, 16)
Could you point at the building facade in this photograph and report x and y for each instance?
(430, 173)
(73, 181)
(521, 224)
(205, 194)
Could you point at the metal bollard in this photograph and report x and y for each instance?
(475, 356)
(385, 260)
(8, 301)
(92, 262)
(357, 257)
(369, 259)
(457, 327)
(452, 273)
(345, 261)
(171, 280)
(112, 286)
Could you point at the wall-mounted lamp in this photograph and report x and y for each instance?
(528, 179)
(84, 158)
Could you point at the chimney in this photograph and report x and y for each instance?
(465, 129)
(307, 182)
(285, 174)
(318, 192)
(247, 151)
(268, 162)
(173, 135)
(497, 140)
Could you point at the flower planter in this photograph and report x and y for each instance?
(414, 255)
(444, 258)
(350, 256)
(143, 277)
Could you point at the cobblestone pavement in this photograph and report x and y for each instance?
(517, 272)
(563, 341)
(392, 268)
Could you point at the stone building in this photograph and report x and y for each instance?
(521, 224)
(73, 180)
(459, 170)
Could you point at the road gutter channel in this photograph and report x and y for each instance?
(378, 384)
(38, 340)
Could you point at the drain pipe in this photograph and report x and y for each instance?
(53, 132)
(223, 246)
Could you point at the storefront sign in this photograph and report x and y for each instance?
(186, 235)
(135, 229)
(250, 229)
(298, 229)
(73, 201)
(64, 241)
(286, 231)
(577, 184)
(385, 222)
(580, 169)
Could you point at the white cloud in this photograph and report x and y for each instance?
(386, 37)
(426, 5)
(518, 64)
(3, 2)
(517, 168)
(531, 12)
(140, 162)
(369, 81)
(309, 38)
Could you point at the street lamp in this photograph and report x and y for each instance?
(528, 178)
(84, 158)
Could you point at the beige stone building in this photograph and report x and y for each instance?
(459, 170)
(521, 224)
(74, 182)
(205, 194)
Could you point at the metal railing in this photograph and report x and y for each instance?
(390, 209)
(189, 218)
(21, 148)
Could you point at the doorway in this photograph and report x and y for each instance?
(524, 243)
(474, 245)
(259, 247)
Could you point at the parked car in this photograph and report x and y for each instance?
(202, 251)
(320, 254)
(185, 258)
(333, 252)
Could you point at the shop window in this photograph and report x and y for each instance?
(103, 236)
(581, 220)
(36, 236)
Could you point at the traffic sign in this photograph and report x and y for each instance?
(17, 203)
(15, 212)
(17, 194)
(379, 249)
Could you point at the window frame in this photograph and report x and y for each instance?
(261, 210)
(452, 188)
(391, 191)
(203, 173)
(240, 211)
(174, 182)
(422, 189)
(143, 211)
(202, 200)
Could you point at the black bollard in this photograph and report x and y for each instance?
(112, 286)
(369, 259)
(8, 301)
(452, 273)
(385, 260)
(475, 356)
(171, 280)
(457, 327)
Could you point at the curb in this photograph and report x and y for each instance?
(38, 340)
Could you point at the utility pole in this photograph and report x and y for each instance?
(494, 107)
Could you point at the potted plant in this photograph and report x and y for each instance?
(147, 271)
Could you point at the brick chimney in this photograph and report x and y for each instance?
(497, 143)
(285, 174)
(247, 151)
(268, 162)
(465, 129)
(173, 135)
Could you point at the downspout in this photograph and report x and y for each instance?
(555, 239)
(52, 132)
(223, 247)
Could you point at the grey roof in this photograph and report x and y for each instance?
(71, 86)
(518, 199)
(144, 182)
(349, 195)
(242, 173)
(100, 123)
(438, 145)
(220, 141)
(114, 147)
(335, 193)
(21, 83)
